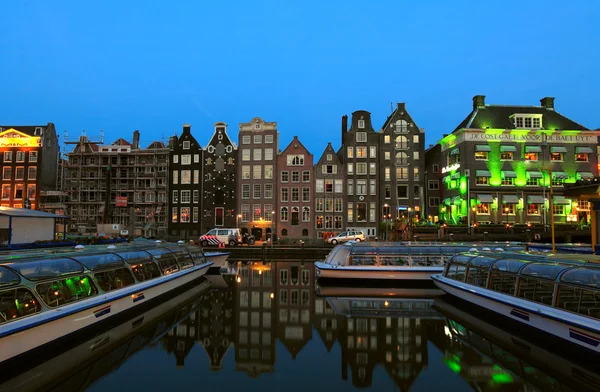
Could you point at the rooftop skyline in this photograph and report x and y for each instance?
(119, 67)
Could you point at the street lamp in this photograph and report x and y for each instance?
(239, 217)
(506, 210)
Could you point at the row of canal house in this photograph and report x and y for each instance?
(500, 163)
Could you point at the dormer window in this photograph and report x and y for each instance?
(401, 126)
(527, 121)
(361, 124)
(257, 126)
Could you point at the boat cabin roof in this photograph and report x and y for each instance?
(577, 272)
(440, 248)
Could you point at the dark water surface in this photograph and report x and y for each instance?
(266, 329)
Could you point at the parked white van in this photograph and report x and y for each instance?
(232, 237)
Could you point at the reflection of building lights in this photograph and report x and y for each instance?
(272, 295)
(386, 303)
(447, 331)
(260, 272)
(239, 279)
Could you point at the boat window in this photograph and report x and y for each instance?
(183, 257)
(65, 291)
(579, 300)
(114, 279)
(543, 270)
(456, 271)
(160, 252)
(424, 261)
(536, 290)
(477, 276)
(583, 277)
(100, 261)
(509, 265)
(135, 257)
(46, 268)
(338, 255)
(197, 256)
(363, 259)
(145, 271)
(503, 282)
(421, 250)
(461, 259)
(16, 303)
(393, 250)
(168, 265)
(453, 250)
(482, 261)
(8, 278)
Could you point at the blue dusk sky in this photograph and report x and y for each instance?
(155, 65)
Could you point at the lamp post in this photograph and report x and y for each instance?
(474, 209)
(409, 224)
(239, 217)
(385, 218)
(506, 210)
(272, 220)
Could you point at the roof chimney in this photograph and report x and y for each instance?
(401, 106)
(478, 102)
(344, 126)
(547, 103)
(187, 127)
(136, 140)
(172, 141)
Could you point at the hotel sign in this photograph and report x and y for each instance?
(532, 137)
(14, 138)
(450, 168)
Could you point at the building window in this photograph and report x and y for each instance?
(372, 169)
(185, 197)
(361, 212)
(268, 154)
(284, 214)
(559, 209)
(285, 176)
(350, 187)
(361, 187)
(268, 138)
(531, 156)
(508, 181)
(295, 217)
(372, 188)
(386, 155)
(8, 156)
(245, 212)
(256, 191)
(387, 175)
(31, 172)
(402, 173)
(246, 139)
(558, 181)
(483, 208)
(388, 191)
(319, 205)
(361, 124)
(328, 186)
(482, 180)
(533, 209)
(175, 158)
(506, 156)
(175, 198)
(350, 212)
(175, 177)
(295, 160)
(361, 137)
(434, 185)
(186, 159)
(361, 152)
(257, 172)
(582, 157)
(268, 212)
(245, 172)
(245, 191)
(174, 214)
(295, 176)
(245, 154)
(31, 191)
(268, 191)
(20, 173)
(533, 182)
(268, 172)
(350, 168)
(402, 191)
(185, 215)
(415, 155)
(556, 156)
(339, 186)
(337, 222)
(195, 215)
(481, 155)
(186, 176)
(196, 158)
(361, 168)
(328, 205)
(196, 198)
(328, 222)
(387, 139)
(401, 142)
(319, 222)
(257, 154)
(434, 201)
(401, 126)
(6, 189)
(256, 214)
(257, 139)
(508, 209)
(295, 194)
(338, 205)
(306, 176)
(319, 186)
(284, 195)
(305, 194)
(435, 168)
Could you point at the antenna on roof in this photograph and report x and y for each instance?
(392, 107)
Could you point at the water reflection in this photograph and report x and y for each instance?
(253, 321)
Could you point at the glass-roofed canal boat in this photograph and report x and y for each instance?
(46, 297)
(396, 260)
(558, 297)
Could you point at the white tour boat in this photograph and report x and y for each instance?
(395, 260)
(557, 297)
(46, 298)
(219, 259)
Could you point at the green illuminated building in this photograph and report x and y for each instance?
(497, 165)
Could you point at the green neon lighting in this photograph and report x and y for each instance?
(520, 168)
(463, 185)
(494, 164)
(500, 376)
(453, 365)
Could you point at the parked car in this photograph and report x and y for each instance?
(232, 237)
(346, 236)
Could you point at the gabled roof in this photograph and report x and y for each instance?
(121, 142)
(295, 143)
(329, 150)
(213, 139)
(399, 113)
(499, 117)
(155, 146)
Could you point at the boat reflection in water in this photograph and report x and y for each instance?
(491, 356)
(80, 366)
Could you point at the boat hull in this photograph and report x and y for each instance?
(378, 273)
(29, 333)
(570, 327)
(219, 259)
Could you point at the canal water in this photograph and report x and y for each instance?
(272, 327)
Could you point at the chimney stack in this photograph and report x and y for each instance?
(172, 141)
(344, 126)
(547, 103)
(136, 140)
(478, 102)
(187, 127)
(401, 106)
